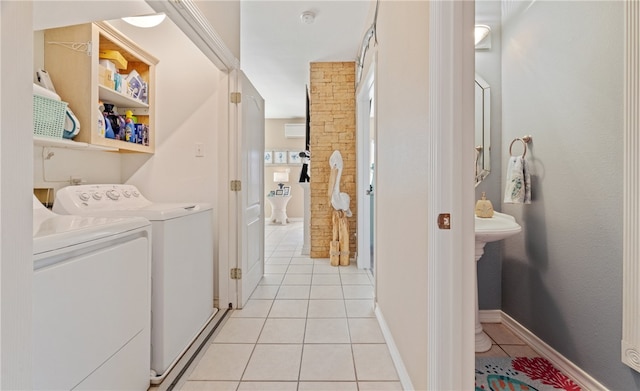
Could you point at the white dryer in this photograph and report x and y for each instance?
(182, 262)
(91, 302)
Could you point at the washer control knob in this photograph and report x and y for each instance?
(126, 193)
(96, 196)
(113, 194)
(84, 196)
(135, 193)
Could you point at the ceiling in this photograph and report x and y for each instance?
(276, 47)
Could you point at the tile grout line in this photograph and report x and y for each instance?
(346, 317)
(257, 339)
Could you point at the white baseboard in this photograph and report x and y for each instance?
(584, 380)
(267, 220)
(405, 380)
(490, 316)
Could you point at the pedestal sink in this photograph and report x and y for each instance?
(498, 227)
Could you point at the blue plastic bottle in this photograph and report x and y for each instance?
(131, 127)
(108, 129)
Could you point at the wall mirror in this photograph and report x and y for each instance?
(482, 129)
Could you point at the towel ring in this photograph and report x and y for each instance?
(524, 140)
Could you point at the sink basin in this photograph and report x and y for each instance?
(498, 227)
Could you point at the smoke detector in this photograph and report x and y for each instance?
(308, 17)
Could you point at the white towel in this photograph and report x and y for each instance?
(518, 189)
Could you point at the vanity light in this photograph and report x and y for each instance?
(482, 35)
(146, 21)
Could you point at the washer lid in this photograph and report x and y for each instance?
(158, 212)
(152, 212)
(58, 232)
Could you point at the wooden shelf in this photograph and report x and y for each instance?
(42, 141)
(123, 146)
(119, 99)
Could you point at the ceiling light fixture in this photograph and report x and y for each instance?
(146, 21)
(482, 34)
(308, 17)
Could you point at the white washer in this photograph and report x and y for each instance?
(91, 302)
(182, 262)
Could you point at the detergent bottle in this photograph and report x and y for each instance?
(130, 132)
(101, 120)
(109, 124)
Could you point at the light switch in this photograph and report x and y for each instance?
(199, 150)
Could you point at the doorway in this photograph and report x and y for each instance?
(366, 144)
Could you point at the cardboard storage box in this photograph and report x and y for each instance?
(115, 56)
(106, 77)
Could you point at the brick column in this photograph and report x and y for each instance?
(333, 127)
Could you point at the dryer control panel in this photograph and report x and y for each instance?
(118, 200)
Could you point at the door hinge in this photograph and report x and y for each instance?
(236, 273)
(444, 221)
(236, 185)
(236, 97)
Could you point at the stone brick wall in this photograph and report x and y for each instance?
(333, 127)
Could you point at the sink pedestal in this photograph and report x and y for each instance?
(498, 227)
(483, 342)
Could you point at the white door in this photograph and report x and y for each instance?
(366, 159)
(251, 195)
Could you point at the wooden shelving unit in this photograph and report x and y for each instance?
(71, 57)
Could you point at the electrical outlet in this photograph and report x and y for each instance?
(199, 149)
(74, 180)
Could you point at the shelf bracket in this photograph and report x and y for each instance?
(82, 47)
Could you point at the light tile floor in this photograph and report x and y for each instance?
(308, 326)
(505, 343)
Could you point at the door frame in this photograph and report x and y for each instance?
(451, 284)
(364, 131)
(233, 167)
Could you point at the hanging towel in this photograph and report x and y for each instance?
(518, 189)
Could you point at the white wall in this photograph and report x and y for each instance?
(89, 166)
(16, 243)
(401, 191)
(186, 88)
(562, 71)
(274, 140)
